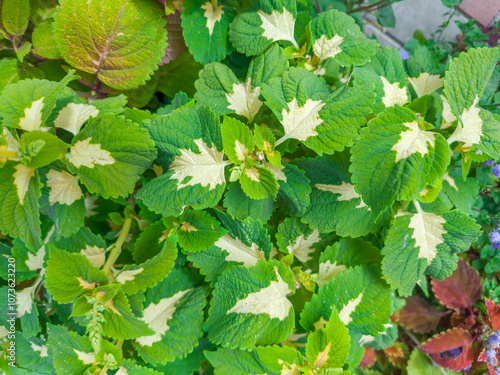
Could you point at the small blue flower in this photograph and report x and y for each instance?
(467, 368)
(404, 54)
(495, 237)
(489, 163)
(494, 339)
(492, 357)
(497, 371)
(496, 170)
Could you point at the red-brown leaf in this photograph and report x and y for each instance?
(493, 313)
(369, 358)
(464, 360)
(444, 341)
(419, 316)
(460, 290)
(397, 354)
(175, 39)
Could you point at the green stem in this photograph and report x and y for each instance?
(214, 4)
(370, 6)
(490, 105)
(117, 248)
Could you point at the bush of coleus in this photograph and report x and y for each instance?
(239, 188)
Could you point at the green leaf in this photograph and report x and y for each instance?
(419, 363)
(462, 193)
(91, 37)
(137, 278)
(425, 243)
(31, 354)
(43, 43)
(189, 145)
(269, 64)
(296, 238)
(15, 16)
(395, 159)
(129, 367)
(360, 295)
(246, 243)
(22, 50)
(174, 310)
(386, 72)
(272, 360)
(72, 354)
(86, 243)
(150, 242)
(189, 364)
(249, 306)
(27, 104)
(12, 71)
(335, 205)
(329, 347)
(110, 154)
(259, 183)
(205, 30)
(237, 139)
(19, 207)
(241, 206)
(69, 275)
(384, 340)
(198, 231)
(450, 3)
(185, 70)
(294, 191)
(252, 32)
(385, 17)
(37, 148)
(336, 35)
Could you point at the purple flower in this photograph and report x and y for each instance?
(489, 162)
(404, 54)
(467, 368)
(495, 237)
(496, 170)
(492, 357)
(497, 371)
(494, 339)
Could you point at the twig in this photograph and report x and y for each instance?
(360, 9)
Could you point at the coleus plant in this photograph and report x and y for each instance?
(265, 225)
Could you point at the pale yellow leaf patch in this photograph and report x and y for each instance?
(128, 275)
(241, 150)
(42, 349)
(277, 172)
(73, 116)
(157, 315)
(205, 168)
(412, 141)
(472, 129)
(244, 100)
(448, 116)
(346, 191)
(109, 304)
(22, 177)
(3, 332)
(83, 153)
(270, 300)
(450, 181)
(320, 324)
(86, 358)
(186, 227)
(428, 233)
(122, 371)
(320, 71)
(24, 301)
(324, 48)
(278, 26)
(239, 252)
(348, 309)
(323, 356)
(213, 15)
(300, 122)
(64, 188)
(293, 370)
(32, 119)
(426, 83)
(35, 262)
(366, 339)
(328, 271)
(85, 284)
(303, 246)
(253, 174)
(95, 255)
(12, 145)
(393, 94)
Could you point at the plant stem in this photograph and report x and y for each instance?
(490, 105)
(370, 6)
(318, 7)
(117, 248)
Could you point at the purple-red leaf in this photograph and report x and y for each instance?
(397, 354)
(369, 358)
(464, 360)
(419, 316)
(175, 39)
(460, 290)
(493, 313)
(444, 341)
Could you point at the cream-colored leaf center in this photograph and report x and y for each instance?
(83, 153)
(472, 129)
(73, 116)
(300, 122)
(393, 94)
(22, 177)
(239, 252)
(128, 275)
(348, 309)
(412, 141)
(278, 26)
(253, 174)
(205, 168)
(25, 301)
(276, 171)
(270, 300)
(213, 15)
(303, 246)
(448, 116)
(428, 233)
(328, 271)
(42, 349)
(346, 191)
(324, 48)
(95, 255)
(86, 358)
(450, 181)
(244, 100)
(157, 315)
(323, 356)
(35, 262)
(426, 83)
(32, 119)
(64, 188)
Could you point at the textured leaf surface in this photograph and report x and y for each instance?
(460, 290)
(420, 364)
(241, 206)
(121, 41)
(419, 316)
(493, 313)
(250, 306)
(296, 238)
(450, 339)
(198, 231)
